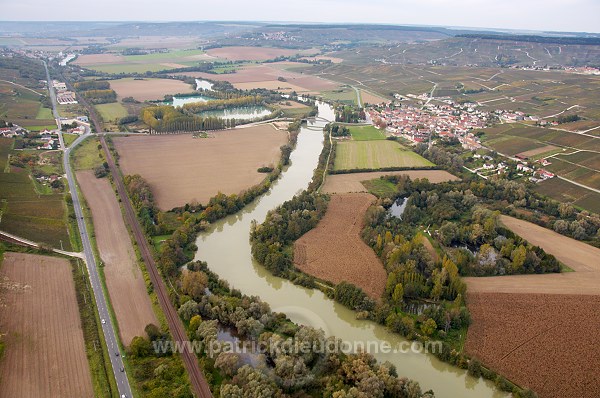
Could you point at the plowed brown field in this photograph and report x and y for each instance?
(148, 89)
(548, 343)
(181, 169)
(541, 331)
(45, 353)
(334, 250)
(124, 280)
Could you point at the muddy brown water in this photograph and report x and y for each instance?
(226, 248)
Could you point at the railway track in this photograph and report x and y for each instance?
(199, 384)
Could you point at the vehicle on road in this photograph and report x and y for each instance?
(103, 321)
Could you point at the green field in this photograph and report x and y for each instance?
(346, 95)
(380, 187)
(375, 155)
(69, 138)
(151, 62)
(112, 112)
(23, 107)
(27, 213)
(86, 155)
(366, 133)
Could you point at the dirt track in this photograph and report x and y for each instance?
(345, 183)
(334, 250)
(124, 280)
(181, 169)
(45, 353)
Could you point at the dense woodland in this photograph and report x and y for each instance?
(519, 200)
(167, 119)
(271, 240)
(349, 114)
(281, 369)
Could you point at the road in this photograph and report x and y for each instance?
(108, 330)
(26, 242)
(199, 385)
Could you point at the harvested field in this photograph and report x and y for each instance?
(45, 354)
(538, 151)
(265, 76)
(96, 59)
(334, 250)
(579, 256)
(345, 183)
(250, 53)
(148, 89)
(370, 98)
(582, 258)
(520, 321)
(181, 169)
(156, 61)
(544, 342)
(124, 280)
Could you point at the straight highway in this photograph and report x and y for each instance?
(108, 329)
(199, 384)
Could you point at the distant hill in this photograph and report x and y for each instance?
(564, 40)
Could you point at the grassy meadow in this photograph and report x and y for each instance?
(375, 155)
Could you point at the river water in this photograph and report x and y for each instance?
(226, 248)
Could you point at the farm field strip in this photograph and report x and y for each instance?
(45, 354)
(124, 279)
(346, 183)
(542, 341)
(40, 218)
(197, 169)
(267, 76)
(374, 155)
(148, 88)
(115, 63)
(240, 53)
(334, 250)
(533, 353)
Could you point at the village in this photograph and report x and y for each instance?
(453, 121)
(418, 124)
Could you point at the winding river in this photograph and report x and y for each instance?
(226, 248)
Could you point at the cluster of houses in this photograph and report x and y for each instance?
(448, 120)
(518, 116)
(49, 140)
(14, 131)
(63, 95)
(533, 172)
(48, 179)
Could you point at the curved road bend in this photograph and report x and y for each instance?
(108, 330)
(199, 384)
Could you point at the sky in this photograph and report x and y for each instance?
(552, 15)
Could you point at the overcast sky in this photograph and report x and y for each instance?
(556, 15)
